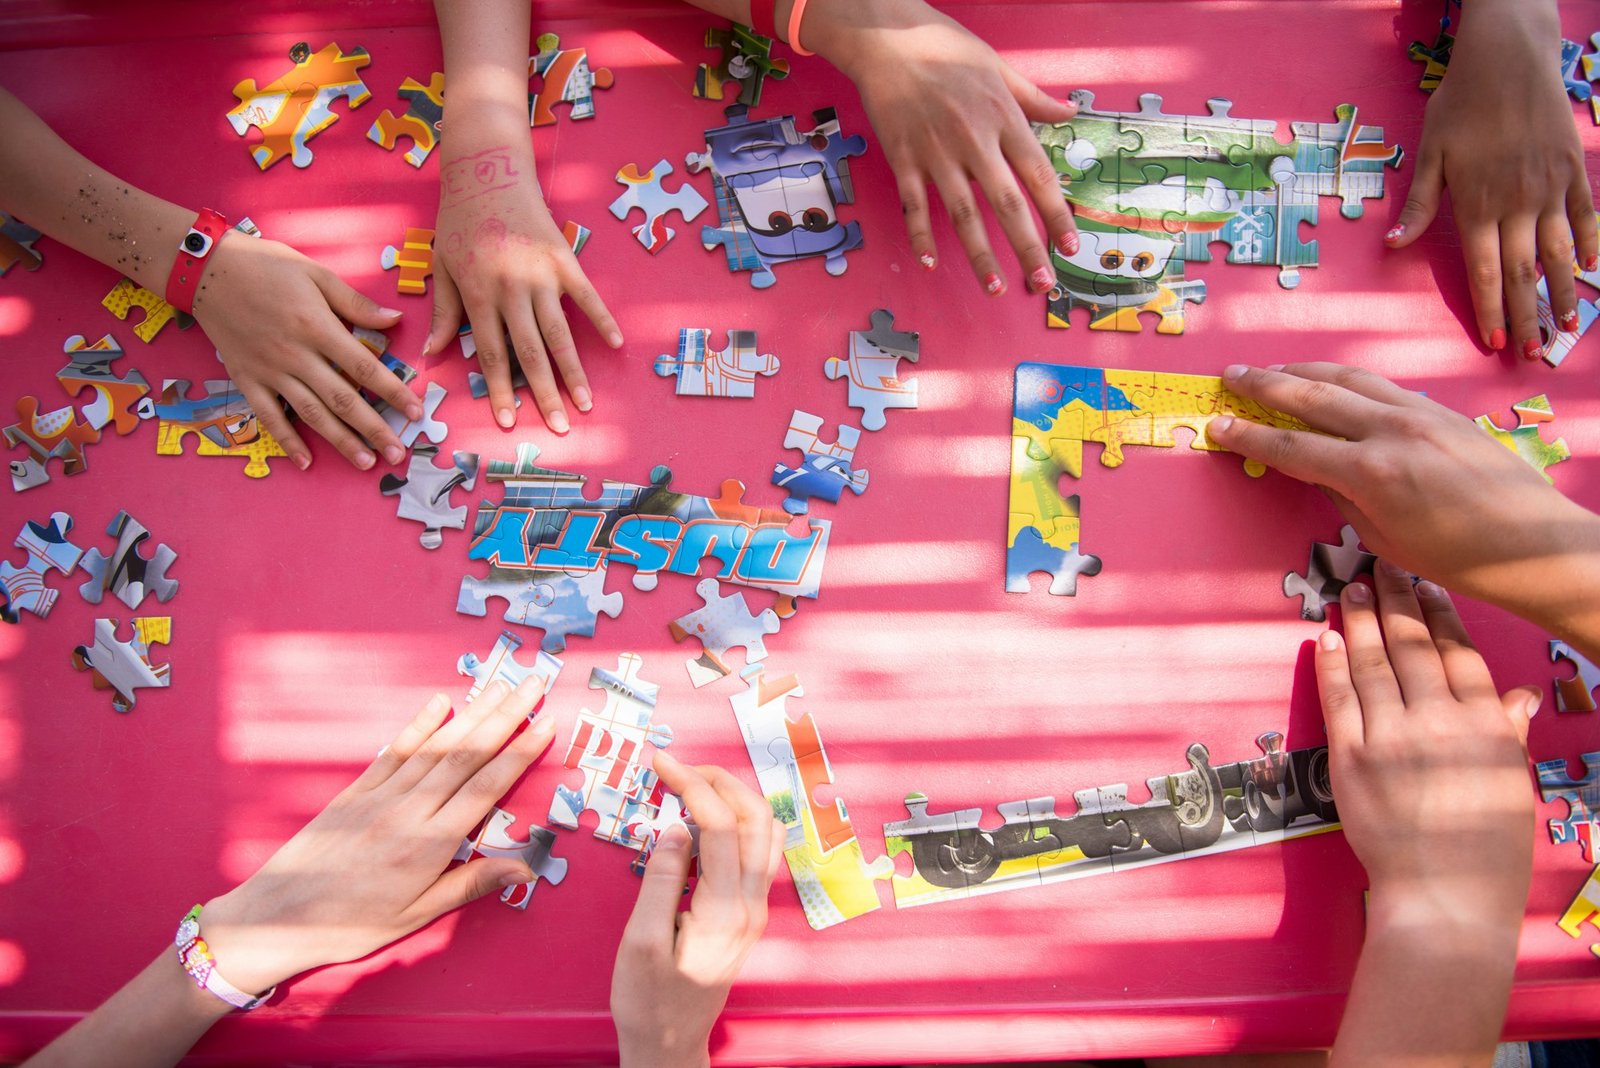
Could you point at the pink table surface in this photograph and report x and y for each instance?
(310, 625)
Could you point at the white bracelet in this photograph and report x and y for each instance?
(196, 958)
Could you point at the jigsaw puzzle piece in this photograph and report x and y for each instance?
(722, 623)
(746, 63)
(422, 122)
(221, 418)
(502, 665)
(23, 589)
(646, 193)
(125, 296)
(1577, 693)
(825, 472)
(1435, 58)
(562, 604)
(566, 78)
(424, 491)
(407, 430)
(1056, 554)
(58, 434)
(124, 666)
(1351, 159)
(1330, 569)
(1524, 439)
(1582, 796)
(127, 573)
(1585, 908)
(293, 108)
(16, 244)
(495, 838)
(90, 368)
(414, 260)
(702, 371)
(872, 369)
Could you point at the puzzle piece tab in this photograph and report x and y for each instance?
(221, 418)
(723, 623)
(58, 434)
(872, 369)
(127, 573)
(561, 603)
(16, 244)
(115, 398)
(414, 260)
(745, 65)
(1585, 908)
(825, 472)
(566, 78)
(124, 666)
(1524, 439)
(422, 122)
(702, 371)
(1582, 797)
(125, 296)
(296, 106)
(1577, 693)
(23, 589)
(1330, 569)
(646, 193)
(494, 838)
(502, 665)
(424, 491)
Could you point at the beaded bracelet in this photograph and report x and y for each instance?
(196, 958)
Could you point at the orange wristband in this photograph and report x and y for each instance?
(796, 13)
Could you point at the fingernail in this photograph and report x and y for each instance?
(1429, 589)
(993, 284)
(1234, 371)
(580, 397)
(1591, 263)
(414, 411)
(393, 453)
(926, 259)
(1040, 279)
(1530, 349)
(1390, 570)
(676, 836)
(1220, 425)
(1569, 321)
(438, 703)
(388, 311)
(1497, 338)
(558, 422)
(1396, 232)
(1532, 705)
(1274, 366)
(542, 724)
(365, 459)
(516, 880)
(614, 339)
(1329, 640)
(1358, 593)
(1068, 242)
(301, 460)
(506, 418)
(530, 686)
(427, 346)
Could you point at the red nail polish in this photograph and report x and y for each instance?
(993, 284)
(1569, 322)
(926, 259)
(1396, 232)
(1531, 348)
(1497, 339)
(1040, 280)
(1591, 263)
(1068, 243)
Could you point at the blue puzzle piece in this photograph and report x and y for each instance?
(825, 473)
(1030, 553)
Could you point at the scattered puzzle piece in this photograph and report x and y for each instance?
(414, 259)
(293, 108)
(494, 839)
(502, 665)
(1330, 569)
(90, 368)
(424, 492)
(16, 244)
(567, 78)
(125, 296)
(56, 434)
(1524, 438)
(723, 623)
(825, 472)
(23, 589)
(746, 64)
(872, 368)
(422, 122)
(407, 430)
(702, 371)
(646, 193)
(1577, 693)
(1556, 343)
(1582, 797)
(221, 418)
(1585, 908)
(577, 236)
(1435, 58)
(127, 573)
(124, 666)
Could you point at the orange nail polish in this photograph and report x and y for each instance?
(1497, 339)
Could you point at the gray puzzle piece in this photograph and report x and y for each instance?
(1330, 570)
(871, 369)
(125, 572)
(424, 492)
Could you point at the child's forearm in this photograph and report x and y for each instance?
(53, 188)
(485, 62)
(153, 1020)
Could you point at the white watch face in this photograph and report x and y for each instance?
(196, 243)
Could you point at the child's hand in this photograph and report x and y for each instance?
(499, 256)
(1515, 209)
(273, 314)
(947, 110)
(367, 870)
(1429, 763)
(674, 967)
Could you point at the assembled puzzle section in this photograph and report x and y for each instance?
(645, 193)
(46, 436)
(1193, 812)
(611, 748)
(1582, 796)
(702, 371)
(872, 368)
(127, 573)
(23, 589)
(296, 106)
(566, 77)
(831, 873)
(722, 623)
(414, 259)
(423, 493)
(778, 192)
(1577, 693)
(125, 296)
(220, 417)
(825, 471)
(115, 399)
(422, 120)
(744, 67)
(124, 666)
(502, 665)
(494, 838)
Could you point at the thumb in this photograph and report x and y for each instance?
(469, 882)
(353, 307)
(446, 312)
(1037, 105)
(655, 914)
(1422, 201)
(1521, 705)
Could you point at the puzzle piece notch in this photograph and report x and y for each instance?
(296, 106)
(48, 548)
(1435, 58)
(1582, 796)
(16, 244)
(1585, 908)
(124, 666)
(561, 603)
(125, 296)
(502, 665)
(722, 623)
(1524, 439)
(115, 398)
(872, 369)
(646, 193)
(221, 418)
(825, 473)
(1577, 693)
(1033, 551)
(424, 492)
(58, 434)
(566, 78)
(494, 838)
(422, 121)
(128, 573)
(414, 259)
(746, 62)
(702, 371)
(1330, 569)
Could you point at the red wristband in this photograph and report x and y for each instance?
(763, 17)
(193, 252)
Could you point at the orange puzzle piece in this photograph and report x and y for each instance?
(295, 107)
(58, 433)
(414, 258)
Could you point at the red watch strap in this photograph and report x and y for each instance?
(763, 17)
(193, 253)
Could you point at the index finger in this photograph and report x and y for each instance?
(1324, 402)
(362, 367)
(755, 829)
(719, 827)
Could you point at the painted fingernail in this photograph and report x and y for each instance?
(414, 411)
(1220, 425)
(558, 422)
(1429, 589)
(1329, 640)
(1569, 321)
(993, 284)
(1530, 349)
(614, 339)
(389, 311)
(427, 346)
(1531, 706)
(1357, 593)
(393, 453)
(1040, 279)
(1497, 339)
(581, 398)
(365, 460)
(1591, 263)
(1068, 243)
(301, 460)
(506, 418)
(927, 261)
(1396, 232)
(1234, 370)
